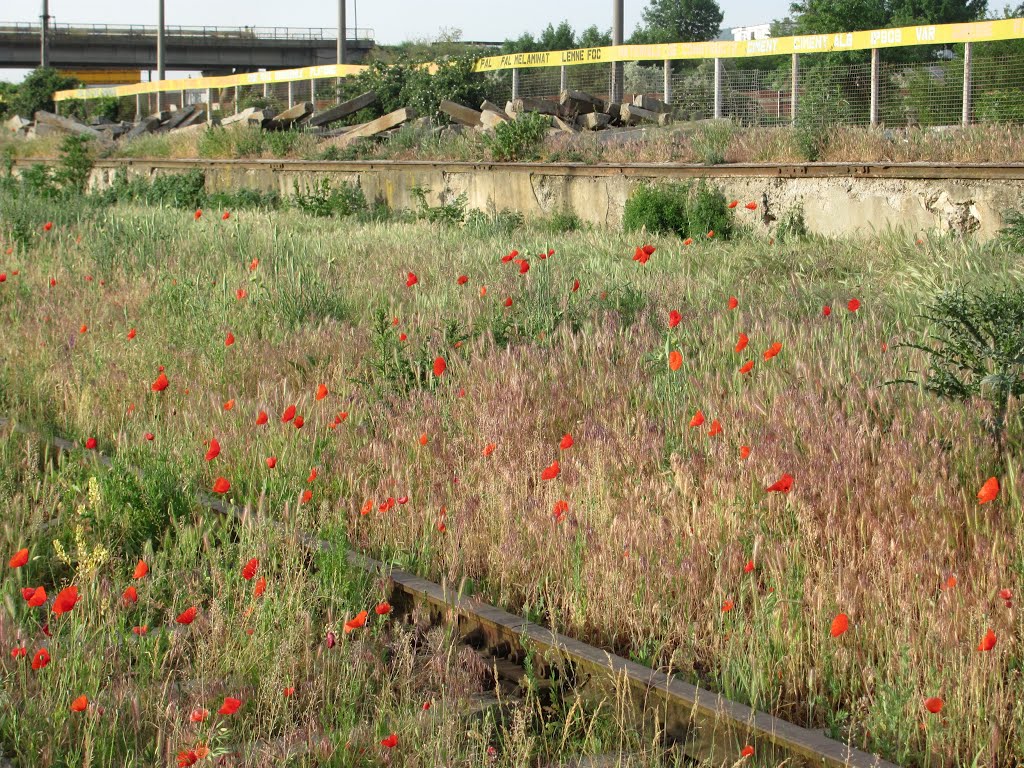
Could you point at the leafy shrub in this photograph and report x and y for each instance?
(320, 199)
(821, 108)
(495, 223)
(711, 141)
(1005, 105)
(178, 190)
(453, 212)
(75, 165)
(657, 208)
(679, 208)
(215, 141)
(708, 211)
(248, 141)
(1012, 233)
(792, 225)
(518, 139)
(281, 143)
(977, 350)
(564, 221)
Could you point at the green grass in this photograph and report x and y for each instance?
(662, 517)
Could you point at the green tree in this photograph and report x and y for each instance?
(36, 91)
(560, 38)
(525, 43)
(592, 37)
(814, 17)
(673, 21)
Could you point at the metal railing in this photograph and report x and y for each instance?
(141, 30)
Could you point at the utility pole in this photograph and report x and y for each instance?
(617, 13)
(341, 31)
(161, 71)
(44, 43)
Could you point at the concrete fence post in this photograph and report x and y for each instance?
(874, 87)
(209, 106)
(794, 93)
(138, 107)
(312, 91)
(968, 91)
(515, 84)
(182, 105)
(291, 92)
(266, 91)
(718, 89)
(563, 79)
(667, 86)
(236, 99)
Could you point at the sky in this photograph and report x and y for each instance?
(392, 20)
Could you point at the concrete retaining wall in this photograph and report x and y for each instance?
(835, 199)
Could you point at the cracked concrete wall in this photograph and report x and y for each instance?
(831, 206)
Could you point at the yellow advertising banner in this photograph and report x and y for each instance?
(104, 76)
(933, 34)
(224, 81)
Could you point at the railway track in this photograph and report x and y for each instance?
(920, 171)
(703, 725)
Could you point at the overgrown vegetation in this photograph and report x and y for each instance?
(571, 334)
(518, 139)
(976, 350)
(689, 211)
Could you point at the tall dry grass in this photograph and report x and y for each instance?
(662, 518)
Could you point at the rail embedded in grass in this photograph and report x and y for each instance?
(706, 725)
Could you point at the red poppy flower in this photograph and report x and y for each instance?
(389, 742)
(230, 706)
(383, 608)
(744, 451)
(249, 569)
(48, 226)
(357, 622)
(199, 715)
(19, 559)
(306, 496)
(840, 624)
(675, 360)
(747, 751)
(733, 302)
(36, 597)
(462, 280)
(187, 616)
(747, 367)
(782, 485)
(262, 418)
(934, 704)
(214, 450)
(734, 203)
(221, 485)
(260, 588)
(160, 384)
(560, 509)
(288, 415)
(131, 333)
(751, 206)
(853, 305)
(697, 420)
(198, 214)
(989, 491)
(674, 318)
(567, 442)
(65, 600)
(411, 280)
(140, 630)
(551, 471)
(225, 216)
(130, 595)
(41, 659)
(988, 642)
(271, 462)
(440, 366)
(141, 569)
(80, 704)
(826, 310)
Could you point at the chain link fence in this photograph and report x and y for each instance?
(911, 86)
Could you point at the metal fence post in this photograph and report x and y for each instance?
(667, 89)
(794, 93)
(266, 91)
(563, 79)
(718, 89)
(290, 92)
(209, 106)
(874, 87)
(966, 117)
(515, 84)
(312, 92)
(182, 99)
(138, 107)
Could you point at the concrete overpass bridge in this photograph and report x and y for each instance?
(211, 50)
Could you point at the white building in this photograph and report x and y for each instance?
(754, 32)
